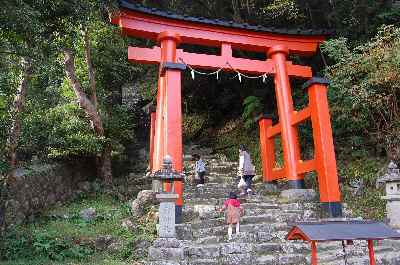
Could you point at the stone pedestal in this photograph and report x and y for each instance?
(299, 195)
(270, 188)
(166, 249)
(167, 215)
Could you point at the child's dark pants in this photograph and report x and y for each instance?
(248, 179)
(201, 177)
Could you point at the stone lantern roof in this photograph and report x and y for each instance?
(167, 172)
(392, 174)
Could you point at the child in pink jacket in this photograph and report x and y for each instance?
(233, 211)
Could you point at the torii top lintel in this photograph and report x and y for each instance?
(138, 21)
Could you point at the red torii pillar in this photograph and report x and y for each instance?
(290, 144)
(152, 114)
(324, 152)
(267, 148)
(324, 162)
(168, 125)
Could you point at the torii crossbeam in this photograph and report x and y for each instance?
(170, 30)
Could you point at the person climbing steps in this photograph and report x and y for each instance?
(233, 212)
(246, 170)
(200, 170)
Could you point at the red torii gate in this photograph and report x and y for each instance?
(170, 30)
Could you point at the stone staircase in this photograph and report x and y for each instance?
(268, 217)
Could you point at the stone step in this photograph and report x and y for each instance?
(217, 186)
(222, 197)
(218, 203)
(265, 260)
(212, 168)
(242, 237)
(270, 253)
(337, 253)
(381, 258)
(248, 228)
(211, 186)
(223, 192)
(209, 240)
(219, 195)
(235, 259)
(203, 262)
(228, 171)
(209, 201)
(207, 212)
(266, 241)
(216, 160)
(217, 164)
(228, 174)
(252, 219)
(281, 215)
(213, 171)
(291, 259)
(216, 193)
(222, 180)
(268, 205)
(263, 205)
(253, 216)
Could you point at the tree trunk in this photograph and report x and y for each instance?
(104, 165)
(3, 201)
(92, 79)
(236, 11)
(13, 138)
(19, 102)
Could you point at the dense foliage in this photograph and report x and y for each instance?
(53, 124)
(365, 91)
(60, 235)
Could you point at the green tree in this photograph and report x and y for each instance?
(52, 125)
(365, 90)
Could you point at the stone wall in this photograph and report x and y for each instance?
(137, 151)
(43, 185)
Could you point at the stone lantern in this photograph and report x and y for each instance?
(392, 182)
(167, 197)
(165, 177)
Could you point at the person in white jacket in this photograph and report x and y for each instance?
(200, 169)
(246, 168)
